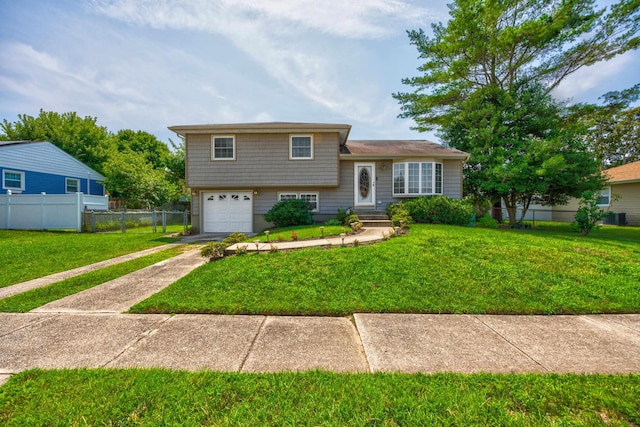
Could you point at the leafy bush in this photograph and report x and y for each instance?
(234, 238)
(342, 215)
(214, 250)
(353, 218)
(588, 214)
(487, 222)
(481, 206)
(439, 210)
(398, 213)
(333, 222)
(290, 212)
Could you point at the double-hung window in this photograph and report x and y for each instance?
(72, 185)
(311, 198)
(417, 178)
(301, 147)
(12, 180)
(604, 196)
(223, 147)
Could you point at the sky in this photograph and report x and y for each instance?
(149, 64)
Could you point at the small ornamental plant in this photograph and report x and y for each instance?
(241, 249)
(294, 235)
(588, 214)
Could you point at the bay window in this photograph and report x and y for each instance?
(417, 178)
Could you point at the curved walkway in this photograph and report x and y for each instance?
(365, 236)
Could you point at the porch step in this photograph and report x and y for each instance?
(372, 215)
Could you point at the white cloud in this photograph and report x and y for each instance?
(286, 38)
(588, 83)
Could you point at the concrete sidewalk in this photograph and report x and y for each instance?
(365, 343)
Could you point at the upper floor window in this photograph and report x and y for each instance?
(12, 180)
(604, 196)
(301, 147)
(223, 147)
(417, 178)
(72, 185)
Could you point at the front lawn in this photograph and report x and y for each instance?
(159, 397)
(26, 255)
(433, 269)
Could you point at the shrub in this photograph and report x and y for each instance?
(398, 213)
(439, 210)
(214, 250)
(588, 214)
(481, 206)
(353, 218)
(487, 222)
(290, 212)
(234, 238)
(333, 222)
(342, 215)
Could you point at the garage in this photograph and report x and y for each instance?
(228, 211)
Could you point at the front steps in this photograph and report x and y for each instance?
(373, 218)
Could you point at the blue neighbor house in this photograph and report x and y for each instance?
(29, 167)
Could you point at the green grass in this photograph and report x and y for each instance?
(158, 397)
(26, 255)
(27, 301)
(433, 269)
(283, 234)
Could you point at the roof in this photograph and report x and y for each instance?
(43, 157)
(266, 127)
(625, 173)
(399, 148)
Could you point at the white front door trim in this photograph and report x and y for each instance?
(364, 185)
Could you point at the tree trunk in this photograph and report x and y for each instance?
(512, 209)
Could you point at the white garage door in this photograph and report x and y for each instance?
(229, 211)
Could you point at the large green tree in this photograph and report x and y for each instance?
(81, 137)
(494, 51)
(137, 166)
(614, 127)
(522, 148)
(501, 42)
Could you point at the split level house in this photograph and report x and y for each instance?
(237, 172)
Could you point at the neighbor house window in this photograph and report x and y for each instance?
(301, 147)
(12, 180)
(72, 185)
(417, 178)
(224, 147)
(311, 198)
(604, 196)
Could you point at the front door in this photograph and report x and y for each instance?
(365, 185)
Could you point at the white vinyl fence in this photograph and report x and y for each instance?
(47, 211)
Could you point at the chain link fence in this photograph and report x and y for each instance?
(135, 221)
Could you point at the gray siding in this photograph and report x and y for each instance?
(452, 178)
(262, 159)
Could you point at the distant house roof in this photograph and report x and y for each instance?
(43, 157)
(624, 174)
(266, 127)
(399, 148)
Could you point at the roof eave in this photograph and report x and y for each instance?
(342, 129)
